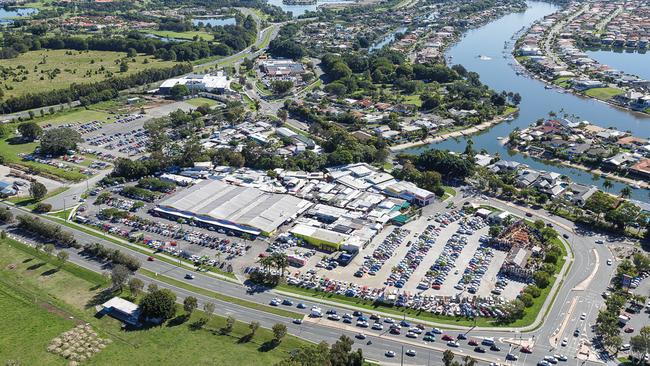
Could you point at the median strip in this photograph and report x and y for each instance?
(218, 296)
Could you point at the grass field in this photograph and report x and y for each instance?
(73, 115)
(181, 35)
(36, 302)
(603, 93)
(413, 99)
(197, 102)
(75, 67)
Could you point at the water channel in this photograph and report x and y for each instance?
(499, 74)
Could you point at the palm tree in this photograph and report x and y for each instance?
(281, 262)
(626, 192)
(265, 262)
(607, 185)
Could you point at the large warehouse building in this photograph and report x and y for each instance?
(239, 209)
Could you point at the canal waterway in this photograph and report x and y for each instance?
(498, 73)
(628, 60)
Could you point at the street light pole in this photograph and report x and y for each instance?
(401, 362)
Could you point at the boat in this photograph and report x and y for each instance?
(636, 186)
(500, 138)
(548, 87)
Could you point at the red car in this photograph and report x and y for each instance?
(446, 337)
(395, 331)
(628, 330)
(436, 287)
(526, 350)
(150, 259)
(473, 342)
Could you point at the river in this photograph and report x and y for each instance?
(628, 60)
(536, 102)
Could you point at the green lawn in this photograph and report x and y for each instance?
(73, 115)
(509, 110)
(27, 329)
(75, 67)
(181, 35)
(197, 102)
(603, 93)
(413, 99)
(37, 302)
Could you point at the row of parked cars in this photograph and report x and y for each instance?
(383, 252)
(131, 142)
(412, 259)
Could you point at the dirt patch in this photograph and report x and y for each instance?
(59, 312)
(11, 266)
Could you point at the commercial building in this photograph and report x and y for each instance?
(243, 210)
(212, 83)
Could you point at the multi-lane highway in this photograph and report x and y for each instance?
(587, 278)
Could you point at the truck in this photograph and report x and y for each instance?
(623, 319)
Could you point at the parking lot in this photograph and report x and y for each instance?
(436, 256)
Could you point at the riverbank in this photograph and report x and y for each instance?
(597, 171)
(466, 132)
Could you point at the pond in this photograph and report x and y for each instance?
(214, 21)
(7, 16)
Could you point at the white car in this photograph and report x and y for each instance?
(297, 321)
(561, 357)
(583, 316)
(377, 326)
(389, 354)
(436, 331)
(609, 262)
(564, 342)
(453, 344)
(411, 335)
(410, 353)
(361, 336)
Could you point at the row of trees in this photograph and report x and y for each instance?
(115, 256)
(339, 354)
(48, 231)
(90, 90)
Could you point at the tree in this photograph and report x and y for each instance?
(37, 190)
(48, 249)
(340, 351)
(189, 305)
(253, 326)
(30, 131)
(179, 91)
(279, 331)
(607, 185)
(158, 304)
(59, 141)
(124, 67)
(625, 214)
(61, 257)
(447, 357)
(208, 309)
(640, 343)
(281, 87)
(626, 191)
(119, 275)
(135, 286)
(6, 216)
(230, 323)
(283, 115)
